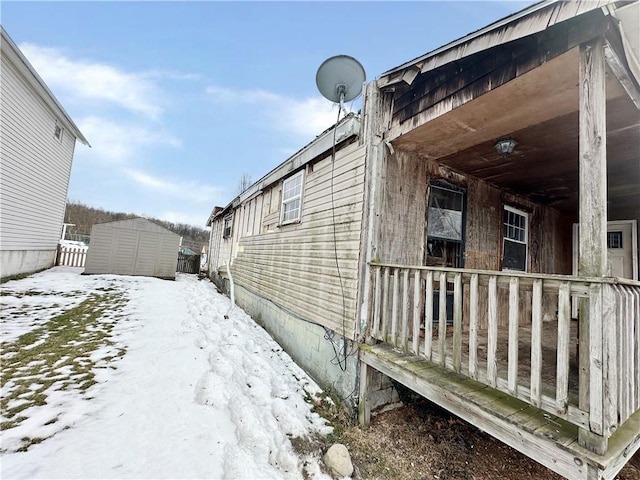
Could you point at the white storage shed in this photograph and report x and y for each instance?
(133, 247)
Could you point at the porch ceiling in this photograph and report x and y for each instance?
(540, 110)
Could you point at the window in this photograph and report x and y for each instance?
(57, 132)
(614, 240)
(291, 198)
(515, 237)
(445, 213)
(228, 223)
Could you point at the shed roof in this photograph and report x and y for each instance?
(137, 223)
(11, 50)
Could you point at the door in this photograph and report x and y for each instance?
(622, 251)
(622, 248)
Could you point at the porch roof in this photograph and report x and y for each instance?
(539, 109)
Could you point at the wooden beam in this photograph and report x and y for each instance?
(592, 257)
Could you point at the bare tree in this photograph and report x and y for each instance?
(244, 183)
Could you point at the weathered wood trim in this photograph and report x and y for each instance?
(394, 305)
(592, 257)
(562, 369)
(492, 340)
(438, 91)
(617, 62)
(514, 315)
(404, 328)
(442, 318)
(428, 316)
(473, 327)
(457, 322)
(416, 312)
(536, 344)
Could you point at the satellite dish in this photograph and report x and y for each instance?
(340, 78)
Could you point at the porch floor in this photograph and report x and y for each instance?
(543, 437)
(549, 354)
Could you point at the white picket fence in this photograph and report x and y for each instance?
(71, 256)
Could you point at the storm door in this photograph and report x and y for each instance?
(444, 233)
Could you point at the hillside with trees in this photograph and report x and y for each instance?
(84, 217)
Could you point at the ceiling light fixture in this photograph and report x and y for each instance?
(505, 146)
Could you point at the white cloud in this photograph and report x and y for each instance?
(95, 81)
(119, 142)
(305, 117)
(198, 219)
(183, 190)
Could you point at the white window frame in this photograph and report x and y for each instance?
(228, 218)
(511, 209)
(287, 201)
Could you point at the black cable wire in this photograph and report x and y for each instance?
(342, 366)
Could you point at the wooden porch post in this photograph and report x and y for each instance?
(375, 111)
(592, 260)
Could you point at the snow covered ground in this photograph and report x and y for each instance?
(194, 396)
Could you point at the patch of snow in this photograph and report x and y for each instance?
(195, 396)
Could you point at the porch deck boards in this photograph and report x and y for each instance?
(549, 354)
(546, 438)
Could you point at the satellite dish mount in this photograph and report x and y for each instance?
(340, 78)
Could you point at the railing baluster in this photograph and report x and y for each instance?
(457, 322)
(394, 307)
(473, 327)
(610, 406)
(635, 322)
(514, 313)
(562, 372)
(385, 304)
(376, 304)
(416, 312)
(428, 315)
(536, 343)
(595, 358)
(404, 331)
(442, 319)
(492, 334)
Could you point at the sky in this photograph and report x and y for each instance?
(180, 99)
(224, 404)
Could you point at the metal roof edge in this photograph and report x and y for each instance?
(348, 127)
(27, 70)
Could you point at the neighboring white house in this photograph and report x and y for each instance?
(135, 246)
(37, 141)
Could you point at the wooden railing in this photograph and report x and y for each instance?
(514, 332)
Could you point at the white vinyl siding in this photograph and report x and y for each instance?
(295, 267)
(292, 198)
(36, 167)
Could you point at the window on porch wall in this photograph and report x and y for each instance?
(445, 225)
(515, 235)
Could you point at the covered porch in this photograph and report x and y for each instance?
(490, 286)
